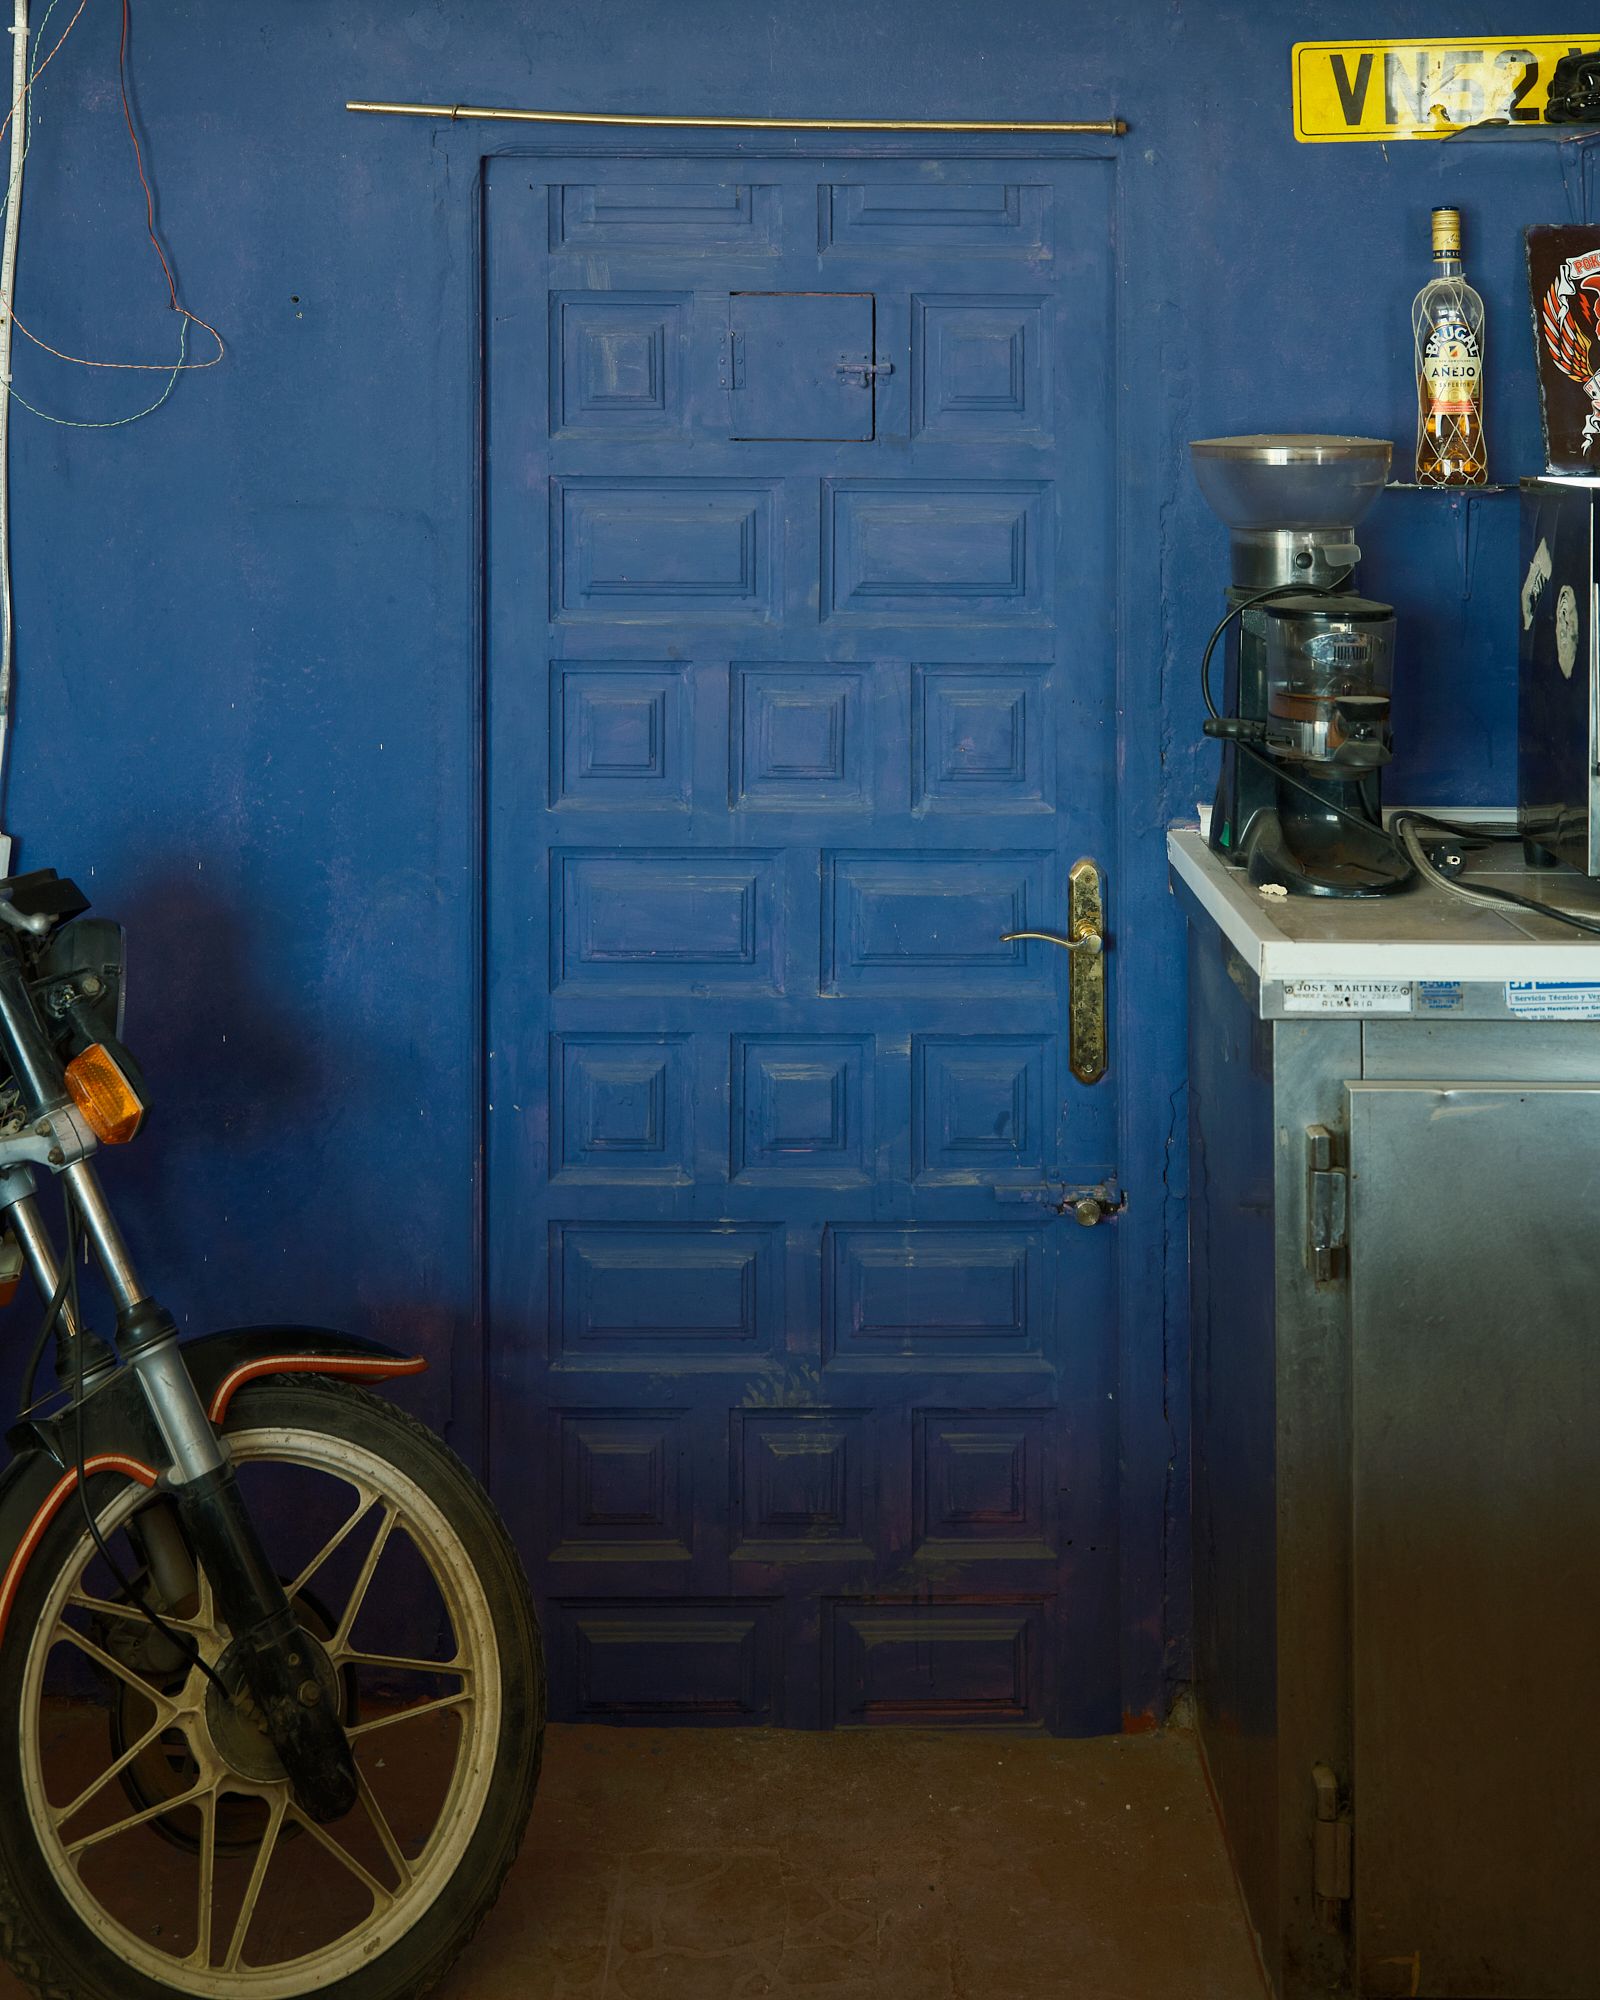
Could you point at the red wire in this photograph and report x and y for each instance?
(5, 124)
(138, 158)
(149, 209)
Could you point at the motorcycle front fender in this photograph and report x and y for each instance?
(120, 1435)
(221, 1364)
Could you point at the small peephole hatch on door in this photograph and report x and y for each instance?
(801, 367)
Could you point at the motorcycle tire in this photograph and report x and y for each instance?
(90, 1906)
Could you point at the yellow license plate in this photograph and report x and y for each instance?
(1421, 90)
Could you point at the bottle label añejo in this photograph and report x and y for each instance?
(1452, 368)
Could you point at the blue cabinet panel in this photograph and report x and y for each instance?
(869, 218)
(902, 1298)
(651, 1661)
(647, 921)
(800, 693)
(665, 548)
(909, 923)
(798, 365)
(670, 1294)
(623, 1490)
(802, 1110)
(617, 364)
(620, 735)
(931, 1666)
(980, 368)
(902, 548)
(660, 214)
(805, 1487)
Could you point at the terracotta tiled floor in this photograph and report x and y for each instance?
(890, 1865)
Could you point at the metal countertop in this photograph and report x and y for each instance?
(1422, 937)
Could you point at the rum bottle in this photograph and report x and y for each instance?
(1447, 322)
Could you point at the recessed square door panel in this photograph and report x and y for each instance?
(980, 367)
(804, 1485)
(669, 1294)
(674, 920)
(802, 1110)
(672, 214)
(617, 364)
(620, 735)
(621, 1108)
(800, 365)
(905, 217)
(982, 1483)
(651, 1660)
(623, 1487)
(665, 548)
(800, 536)
(910, 923)
(800, 738)
(982, 740)
(982, 1109)
(935, 1665)
(964, 550)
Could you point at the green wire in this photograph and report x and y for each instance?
(79, 423)
(116, 423)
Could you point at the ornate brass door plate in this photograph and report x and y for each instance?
(1086, 982)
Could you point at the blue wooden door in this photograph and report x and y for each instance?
(799, 601)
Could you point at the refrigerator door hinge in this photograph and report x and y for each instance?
(1327, 1204)
(1332, 1836)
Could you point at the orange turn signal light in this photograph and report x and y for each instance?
(102, 1092)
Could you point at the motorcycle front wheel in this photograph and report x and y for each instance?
(149, 1845)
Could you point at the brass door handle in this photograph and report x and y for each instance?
(1086, 984)
(1089, 941)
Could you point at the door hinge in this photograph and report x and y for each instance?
(1327, 1204)
(1333, 1837)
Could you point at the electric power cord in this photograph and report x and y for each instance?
(1245, 604)
(1404, 825)
(1406, 844)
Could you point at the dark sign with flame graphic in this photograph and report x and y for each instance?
(1564, 282)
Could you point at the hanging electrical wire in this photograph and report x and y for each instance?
(19, 122)
(174, 369)
(183, 365)
(150, 207)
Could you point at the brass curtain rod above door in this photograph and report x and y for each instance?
(1115, 126)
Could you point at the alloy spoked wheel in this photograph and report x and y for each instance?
(170, 1839)
(159, 1767)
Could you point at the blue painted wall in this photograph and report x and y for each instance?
(247, 641)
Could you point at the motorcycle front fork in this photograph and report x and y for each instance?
(271, 1650)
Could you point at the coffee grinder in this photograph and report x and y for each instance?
(1304, 722)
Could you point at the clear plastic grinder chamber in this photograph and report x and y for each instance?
(1330, 676)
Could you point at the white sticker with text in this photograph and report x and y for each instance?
(1554, 999)
(1347, 996)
